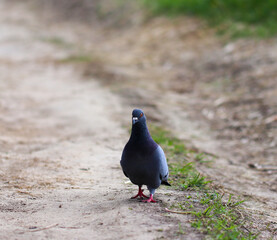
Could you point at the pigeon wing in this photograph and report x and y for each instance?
(163, 166)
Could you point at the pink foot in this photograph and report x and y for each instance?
(150, 199)
(140, 194)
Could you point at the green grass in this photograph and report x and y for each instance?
(181, 160)
(77, 59)
(57, 41)
(187, 176)
(219, 219)
(212, 215)
(173, 146)
(238, 18)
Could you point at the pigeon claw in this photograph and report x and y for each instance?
(140, 194)
(150, 199)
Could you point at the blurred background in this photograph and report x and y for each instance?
(209, 67)
(204, 69)
(215, 60)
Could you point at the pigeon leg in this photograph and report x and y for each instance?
(150, 199)
(140, 194)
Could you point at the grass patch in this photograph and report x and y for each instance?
(187, 176)
(219, 219)
(214, 216)
(181, 159)
(173, 146)
(77, 59)
(57, 41)
(238, 18)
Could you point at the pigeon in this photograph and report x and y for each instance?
(143, 161)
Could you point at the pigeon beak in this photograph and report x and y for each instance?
(135, 119)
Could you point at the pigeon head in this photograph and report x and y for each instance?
(138, 116)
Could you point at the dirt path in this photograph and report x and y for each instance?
(62, 131)
(218, 97)
(60, 145)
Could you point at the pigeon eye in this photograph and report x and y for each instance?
(141, 115)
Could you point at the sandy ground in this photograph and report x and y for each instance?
(63, 123)
(61, 142)
(218, 95)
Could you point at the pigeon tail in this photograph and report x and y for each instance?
(165, 183)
